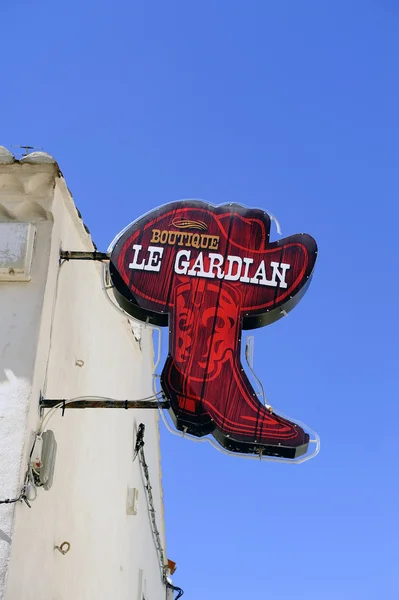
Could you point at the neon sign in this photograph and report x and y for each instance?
(208, 272)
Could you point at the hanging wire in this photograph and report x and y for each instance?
(29, 484)
(11, 500)
(53, 309)
(249, 360)
(139, 451)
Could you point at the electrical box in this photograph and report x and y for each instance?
(43, 459)
(16, 250)
(49, 452)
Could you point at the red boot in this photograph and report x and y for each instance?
(205, 382)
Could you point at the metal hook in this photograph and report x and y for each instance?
(64, 548)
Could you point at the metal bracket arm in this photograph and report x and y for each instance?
(80, 255)
(125, 404)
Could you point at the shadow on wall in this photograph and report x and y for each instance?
(5, 537)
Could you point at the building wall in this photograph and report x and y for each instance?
(60, 336)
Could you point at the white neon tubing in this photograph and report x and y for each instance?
(315, 439)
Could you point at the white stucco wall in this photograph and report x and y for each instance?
(46, 326)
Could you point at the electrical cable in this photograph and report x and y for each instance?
(175, 588)
(23, 494)
(11, 500)
(106, 287)
(29, 480)
(139, 440)
(258, 381)
(139, 451)
(52, 325)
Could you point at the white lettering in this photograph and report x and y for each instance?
(236, 268)
(198, 266)
(154, 259)
(229, 275)
(276, 273)
(216, 260)
(248, 262)
(181, 266)
(135, 264)
(260, 275)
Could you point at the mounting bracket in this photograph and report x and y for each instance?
(125, 404)
(80, 255)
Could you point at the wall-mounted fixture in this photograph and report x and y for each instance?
(43, 459)
(64, 548)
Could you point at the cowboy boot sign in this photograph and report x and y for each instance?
(208, 272)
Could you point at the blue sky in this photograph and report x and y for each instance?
(291, 106)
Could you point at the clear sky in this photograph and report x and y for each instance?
(291, 106)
